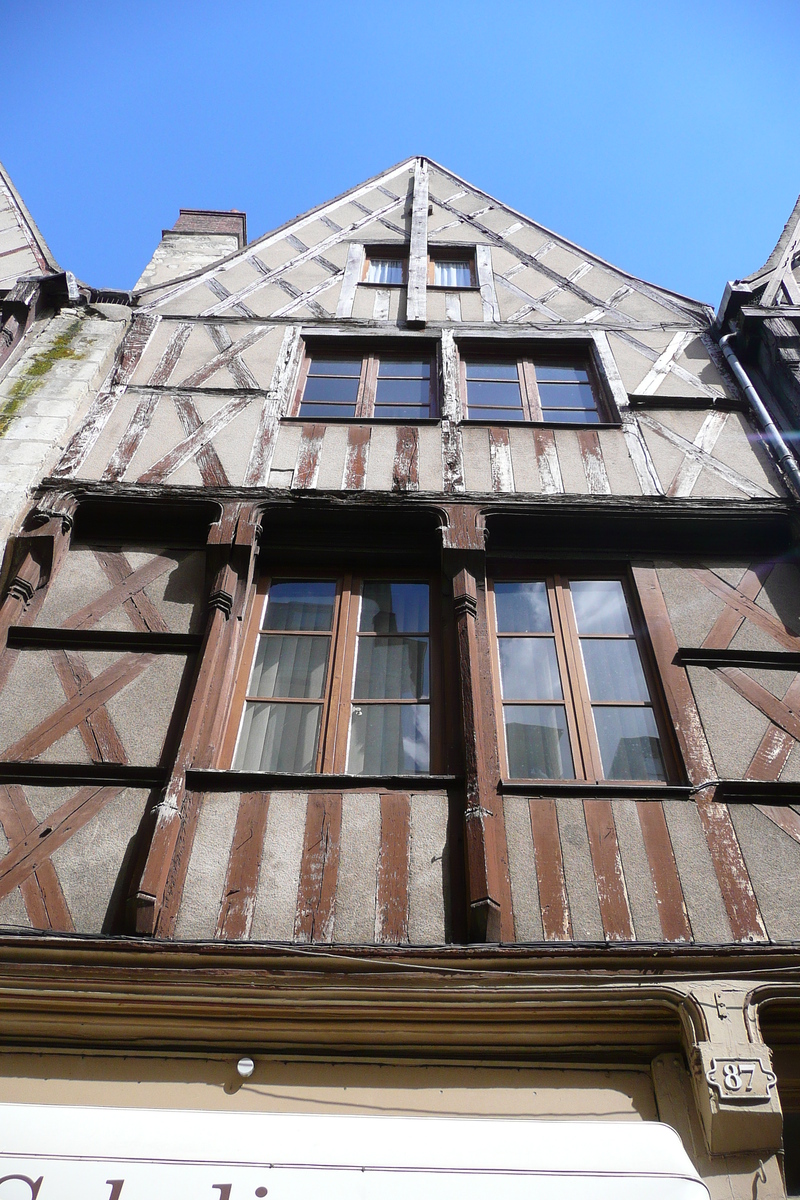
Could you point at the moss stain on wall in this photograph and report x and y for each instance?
(36, 370)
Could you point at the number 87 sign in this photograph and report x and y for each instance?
(740, 1080)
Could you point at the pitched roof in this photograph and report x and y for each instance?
(23, 250)
(295, 268)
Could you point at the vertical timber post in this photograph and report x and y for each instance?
(488, 892)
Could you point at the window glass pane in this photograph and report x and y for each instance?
(401, 412)
(614, 669)
(529, 669)
(600, 606)
(331, 388)
(385, 270)
(335, 366)
(492, 370)
(389, 739)
(566, 395)
(393, 607)
(289, 665)
(494, 395)
(278, 737)
(537, 742)
(452, 273)
(403, 391)
(318, 411)
(571, 416)
(629, 743)
(548, 371)
(392, 669)
(498, 415)
(300, 604)
(522, 607)
(408, 368)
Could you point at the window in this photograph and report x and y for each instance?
(452, 269)
(389, 385)
(342, 678)
(529, 389)
(573, 696)
(385, 266)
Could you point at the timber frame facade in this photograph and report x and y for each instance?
(445, 936)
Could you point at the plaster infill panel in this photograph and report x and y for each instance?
(107, 842)
(704, 903)
(772, 858)
(636, 871)
(279, 875)
(477, 463)
(428, 901)
(205, 877)
(734, 727)
(584, 907)
(359, 845)
(622, 477)
(522, 870)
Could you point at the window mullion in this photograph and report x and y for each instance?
(530, 390)
(341, 699)
(580, 688)
(369, 386)
(332, 703)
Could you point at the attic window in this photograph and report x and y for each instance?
(452, 269)
(385, 266)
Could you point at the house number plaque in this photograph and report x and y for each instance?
(740, 1080)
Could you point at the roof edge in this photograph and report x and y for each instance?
(24, 215)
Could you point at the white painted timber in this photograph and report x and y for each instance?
(417, 303)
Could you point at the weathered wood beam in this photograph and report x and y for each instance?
(417, 303)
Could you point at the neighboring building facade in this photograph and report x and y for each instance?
(402, 687)
(764, 312)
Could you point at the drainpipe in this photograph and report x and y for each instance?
(783, 456)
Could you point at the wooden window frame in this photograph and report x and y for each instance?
(525, 359)
(452, 254)
(584, 743)
(375, 253)
(368, 379)
(337, 699)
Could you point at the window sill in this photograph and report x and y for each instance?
(480, 421)
(360, 420)
(453, 287)
(258, 781)
(581, 788)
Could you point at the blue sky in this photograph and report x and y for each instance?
(664, 137)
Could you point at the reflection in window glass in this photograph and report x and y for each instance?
(331, 388)
(627, 734)
(403, 388)
(493, 391)
(565, 394)
(392, 664)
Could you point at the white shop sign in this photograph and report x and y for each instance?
(56, 1153)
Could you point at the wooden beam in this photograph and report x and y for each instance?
(354, 475)
(483, 263)
(239, 895)
(319, 869)
(405, 471)
(352, 277)
(667, 888)
(675, 682)
(612, 894)
(556, 923)
(391, 900)
(416, 302)
(729, 865)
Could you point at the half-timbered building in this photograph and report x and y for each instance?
(400, 688)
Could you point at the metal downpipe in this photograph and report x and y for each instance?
(772, 435)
